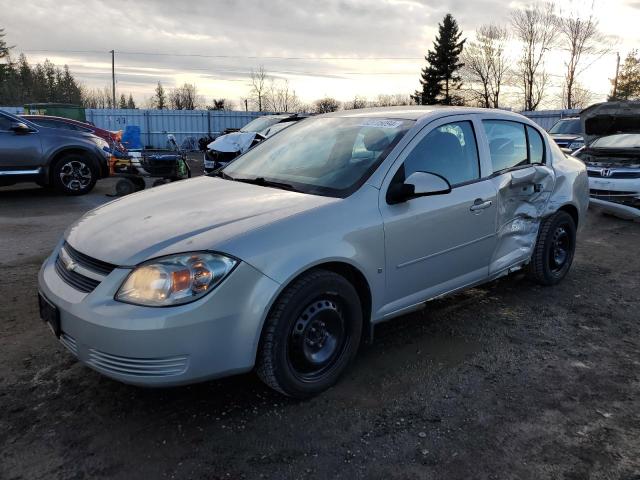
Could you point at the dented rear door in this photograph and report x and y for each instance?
(524, 182)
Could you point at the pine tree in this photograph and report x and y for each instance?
(160, 98)
(629, 78)
(130, 103)
(123, 101)
(440, 78)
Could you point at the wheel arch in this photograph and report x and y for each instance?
(341, 267)
(571, 210)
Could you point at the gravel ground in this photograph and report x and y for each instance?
(509, 380)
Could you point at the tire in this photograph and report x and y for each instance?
(311, 335)
(554, 250)
(74, 174)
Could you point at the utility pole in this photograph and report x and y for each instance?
(615, 80)
(113, 75)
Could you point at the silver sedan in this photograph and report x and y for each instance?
(288, 257)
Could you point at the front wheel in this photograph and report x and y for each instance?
(553, 252)
(74, 175)
(311, 335)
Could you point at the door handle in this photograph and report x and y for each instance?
(480, 204)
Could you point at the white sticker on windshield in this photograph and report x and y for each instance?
(381, 123)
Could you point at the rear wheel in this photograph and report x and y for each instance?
(311, 335)
(74, 174)
(554, 250)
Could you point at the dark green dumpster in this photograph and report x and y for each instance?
(65, 110)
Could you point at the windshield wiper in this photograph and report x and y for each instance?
(263, 182)
(221, 174)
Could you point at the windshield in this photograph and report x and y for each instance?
(324, 155)
(259, 124)
(567, 127)
(622, 140)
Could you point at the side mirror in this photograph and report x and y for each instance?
(418, 184)
(20, 128)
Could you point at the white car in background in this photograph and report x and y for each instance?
(612, 157)
(227, 147)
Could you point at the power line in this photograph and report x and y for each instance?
(202, 55)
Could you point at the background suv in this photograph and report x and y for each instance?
(70, 161)
(567, 133)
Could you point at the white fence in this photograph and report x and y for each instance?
(156, 124)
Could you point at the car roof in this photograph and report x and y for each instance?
(53, 117)
(416, 112)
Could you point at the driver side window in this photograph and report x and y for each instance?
(449, 151)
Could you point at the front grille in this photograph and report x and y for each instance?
(612, 193)
(87, 262)
(615, 174)
(77, 281)
(138, 367)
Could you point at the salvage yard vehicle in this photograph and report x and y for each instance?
(70, 161)
(112, 138)
(336, 224)
(567, 133)
(227, 147)
(612, 157)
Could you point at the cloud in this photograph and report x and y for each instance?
(306, 32)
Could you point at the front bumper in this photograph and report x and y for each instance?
(214, 336)
(617, 196)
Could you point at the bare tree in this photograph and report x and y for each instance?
(486, 64)
(258, 87)
(220, 104)
(357, 102)
(184, 97)
(581, 97)
(584, 44)
(536, 27)
(326, 105)
(280, 98)
(97, 98)
(386, 100)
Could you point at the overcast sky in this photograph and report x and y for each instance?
(215, 44)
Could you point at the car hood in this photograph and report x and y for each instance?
(189, 215)
(562, 137)
(232, 142)
(609, 118)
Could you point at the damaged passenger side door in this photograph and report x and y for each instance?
(523, 182)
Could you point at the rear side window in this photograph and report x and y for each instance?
(450, 151)
(507, 144)
(536, 146)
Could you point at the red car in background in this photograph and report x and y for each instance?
(49, 121)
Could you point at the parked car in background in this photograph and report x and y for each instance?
(612, 156)
(70, 161)
(567, 133)
(336, 224)
(227, 147)
(113, 138)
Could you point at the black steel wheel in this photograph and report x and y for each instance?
(554, 249)
(311, 334)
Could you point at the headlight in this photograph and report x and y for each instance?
(102, 144)
(577, 143)
(175, 280)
